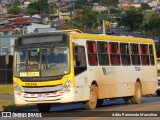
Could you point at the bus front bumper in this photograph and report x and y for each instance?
(55, 97)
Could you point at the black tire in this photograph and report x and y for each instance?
(44, 107)
(127, 100)
(158, 92)
(137, 98)
(92, 103)
(99, 102)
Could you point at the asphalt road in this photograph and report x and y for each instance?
(6, 97)
(149, 106)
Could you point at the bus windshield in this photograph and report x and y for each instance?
(42, 60)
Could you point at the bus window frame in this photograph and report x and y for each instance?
(94, 53)
(114, 55)
(151, 55)
(105, 54)
(145, 61)
(135, 55)
(126, 54)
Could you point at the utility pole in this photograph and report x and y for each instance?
(104, 29)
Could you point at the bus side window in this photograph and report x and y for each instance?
(80, 60)
(144, 54)
(151, 55)
(92, 53)
(135, 54)
(103, 53)
(114, 53)
(125, 56)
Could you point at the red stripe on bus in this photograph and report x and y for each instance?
(18, 93)
(68, 90)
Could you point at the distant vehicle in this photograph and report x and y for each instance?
(67, 66)
(158, 90)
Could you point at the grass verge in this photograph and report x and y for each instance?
(6, 89)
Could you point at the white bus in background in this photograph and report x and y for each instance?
(158, 90)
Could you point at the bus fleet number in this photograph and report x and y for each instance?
(30, 84)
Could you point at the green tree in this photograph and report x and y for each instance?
(149, 16)
(14, 10)
(132, 19)
(84, 20)
(41, 6)
(145, 6)
(52, 8)
(158, 50)
(96, 1)
(151, 23)
(153, 26)
(31, 11)
(17, 2)
(80, 4)
(110, 4)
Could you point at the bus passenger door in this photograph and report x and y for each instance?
(80, 73)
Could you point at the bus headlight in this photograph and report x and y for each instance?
(17, 87)
(67, 85)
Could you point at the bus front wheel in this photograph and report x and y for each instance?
(44, 107)
(92, 103)
(137, 98)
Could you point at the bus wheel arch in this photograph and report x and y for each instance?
(137, 98)
(92, 102)
(138, 80)
(97, 90)
(99, 101)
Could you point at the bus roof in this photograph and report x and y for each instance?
(75, 33)
(111, 38)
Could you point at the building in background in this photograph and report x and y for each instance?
(127, 5)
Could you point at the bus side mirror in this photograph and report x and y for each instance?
(6, 59)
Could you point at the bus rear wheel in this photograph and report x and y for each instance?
(44, 107)
(99, 102)
(158, 92)
(92, 103)
(127, 100)
(137, 98)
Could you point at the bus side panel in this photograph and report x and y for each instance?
(149, 81)
(110, 81)
(117, 81)
(129, 76)
(82, 87)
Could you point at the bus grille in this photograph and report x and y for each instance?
(42, 89)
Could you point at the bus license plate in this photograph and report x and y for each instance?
(43, 96)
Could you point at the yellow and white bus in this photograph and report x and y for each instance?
(67, 66)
